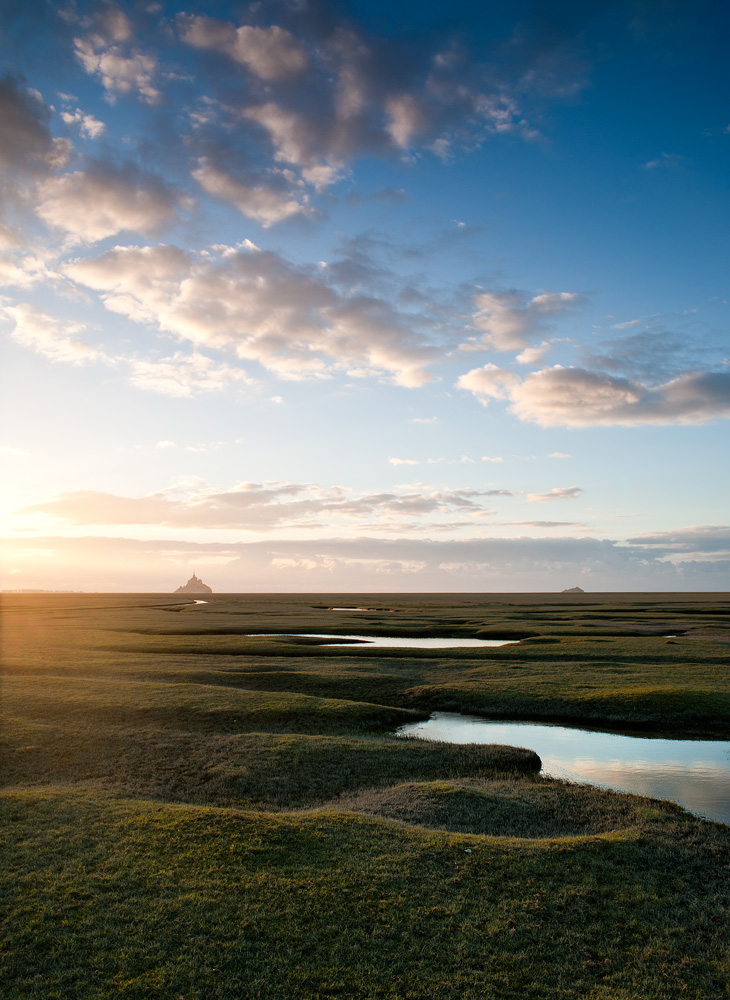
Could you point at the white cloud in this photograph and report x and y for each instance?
(88, 125)
(489, 382)
(118, 70)
(558, 493)
(406, 117)
(180, 375)
(104, 200)
(262, 308)
(261, 506)
(26, 270)
(509, 321)
(258, 202)
(54, 339)
(404, 461)
(183, 375)
(533, 355)
(298, 140)
(270, 53)
(575, 397)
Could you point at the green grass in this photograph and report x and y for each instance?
(190, 812)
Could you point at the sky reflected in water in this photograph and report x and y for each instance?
(694, 773)
(394, 642)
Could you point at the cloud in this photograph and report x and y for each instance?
(297, 139)
(558, 493)
(357, 565)
(110, 53)
(106, 199)
(533, 355)
(89, 126)
(575, 397)
(543, 524)
(180, 375)
(318, 90)
(404, 461)
(28, 151)
(183, 374)
(651, 356)
(25, 137)
(54, 339)
(489, 382)
(259, 507)
(263, 204)
(261, 307)
(510, 321)
(710, 540)
(270, 53)
(406, 117)
(665, 160)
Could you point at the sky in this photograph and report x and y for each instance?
(311, 296)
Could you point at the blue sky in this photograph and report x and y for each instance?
(328, 296)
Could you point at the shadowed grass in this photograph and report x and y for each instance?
(131, 899)
(507, 807)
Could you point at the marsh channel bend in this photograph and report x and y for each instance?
(693, 773)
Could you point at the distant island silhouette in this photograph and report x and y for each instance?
(573, 590)
(194, 586)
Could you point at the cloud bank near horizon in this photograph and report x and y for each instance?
(382, 565)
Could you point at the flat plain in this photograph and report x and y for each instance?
(194, 811)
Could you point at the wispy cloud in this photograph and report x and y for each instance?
(261, 506)
(57, 340)
(558, 493)
(510, 321)
(664, 161)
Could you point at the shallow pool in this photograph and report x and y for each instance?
(392, 642)
(694, 773)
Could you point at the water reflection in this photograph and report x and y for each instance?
(694, 773)
(393, 642)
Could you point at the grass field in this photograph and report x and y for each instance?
(193, 812)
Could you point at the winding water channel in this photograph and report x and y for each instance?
(693, 773)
